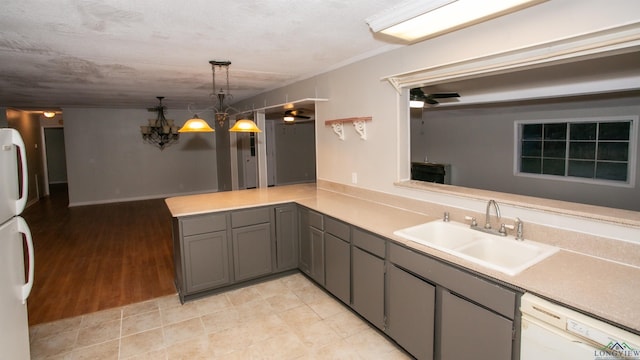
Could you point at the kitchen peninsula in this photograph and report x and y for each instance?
(605, 289)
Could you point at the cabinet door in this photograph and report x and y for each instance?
(469, 331)
(304, 258)
(410, 312)
(317, 254)
(251, 251)
(367, 281)
(286, 237)
(206, 261)
(338, 267)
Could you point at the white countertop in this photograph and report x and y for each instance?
(607, 289)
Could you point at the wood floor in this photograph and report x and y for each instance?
(91, 258)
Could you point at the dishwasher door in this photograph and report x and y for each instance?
(550, 332)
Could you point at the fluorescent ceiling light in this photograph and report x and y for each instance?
(410, 21)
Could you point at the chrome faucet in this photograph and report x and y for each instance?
(487, 215)
(519, 227)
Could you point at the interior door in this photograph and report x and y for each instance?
(249, 160)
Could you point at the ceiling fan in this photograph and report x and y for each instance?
(417, 95)
(292, 115)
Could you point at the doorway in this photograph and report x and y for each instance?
(54, 158)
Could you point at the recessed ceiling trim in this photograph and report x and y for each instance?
(611, 41)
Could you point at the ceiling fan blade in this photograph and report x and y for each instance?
(430, 101)
(444, 95)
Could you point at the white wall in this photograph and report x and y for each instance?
(108, 161)
(357, 89)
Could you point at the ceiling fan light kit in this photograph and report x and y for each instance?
(419, 20)
(417, 97)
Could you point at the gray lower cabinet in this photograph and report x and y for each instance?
(201, 253)
(304, 244)
(286, 217)
(411, 312)
(337, 258)
(252, 243)
(338, 267)
(206, 257)
(474, 318)
(311, 257)
(469, 331)
(317, 254)
(251, 251)
(367, 276)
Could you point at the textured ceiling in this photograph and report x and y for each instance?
(123, 53)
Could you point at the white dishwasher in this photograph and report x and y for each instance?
(551, 332)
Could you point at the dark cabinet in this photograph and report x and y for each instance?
(367, 276)
(207, 261)
(286, 218)
(474, 317)
(311, 256)
(304, 244)
(252, 243)
(251, 251)
(338, 259)
(469, 331)
(411, 312)
(201, 253)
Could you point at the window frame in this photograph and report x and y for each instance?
(631, 163)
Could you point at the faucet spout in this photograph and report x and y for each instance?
(487, 216)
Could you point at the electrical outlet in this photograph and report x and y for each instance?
(354, 177)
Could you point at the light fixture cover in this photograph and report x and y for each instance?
(245, 125)
(413, 21)
(416, 104)
(49, 114)
(196, 124)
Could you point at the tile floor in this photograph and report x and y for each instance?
(286, 318)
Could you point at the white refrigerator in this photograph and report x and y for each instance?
(14, 235)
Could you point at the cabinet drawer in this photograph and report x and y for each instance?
(247, 217)
(201, 224)
(368, 242)
(337, 228)
(316, 220)
(490, 295)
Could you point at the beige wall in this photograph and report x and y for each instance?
(358, 89)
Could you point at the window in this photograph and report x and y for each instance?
(592, 150)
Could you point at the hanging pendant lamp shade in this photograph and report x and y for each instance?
(196, 124)
(220, 109)
(245, 125)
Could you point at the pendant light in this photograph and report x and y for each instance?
(221, 111)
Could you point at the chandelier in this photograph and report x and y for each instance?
(220, 110)
(160, 131)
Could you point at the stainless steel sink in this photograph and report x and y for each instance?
(501, 253)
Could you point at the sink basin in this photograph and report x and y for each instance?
(441, 235)
(501, 253)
